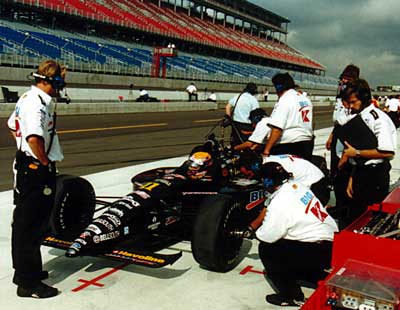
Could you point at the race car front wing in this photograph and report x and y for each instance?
(141, 258)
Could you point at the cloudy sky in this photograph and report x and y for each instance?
(339, 32)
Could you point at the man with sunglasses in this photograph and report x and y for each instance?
(33, 126)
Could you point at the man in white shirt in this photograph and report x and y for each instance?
(33, 126)
(304, 172)
(238, 109)
(295, 233)
(370, 160)
(192, 91)
(212, 97)
(291, 121)
(259, 120)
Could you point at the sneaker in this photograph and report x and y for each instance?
(279, 300)
(40, 291)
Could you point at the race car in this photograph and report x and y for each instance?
(205, 201)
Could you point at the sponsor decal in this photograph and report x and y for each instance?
(116, 211)
(131, 201)
(174, 176)
(141, 194)
(108, 236)
(164, 181)
(85, 234)
(138, 256)
(81, 241)
(114, 219)
(199, 193)
(154, 226)
(55, 240)
(126, 230)
(94, 229)
(127, 205)
(256, 197)
(171, 219)
(253, 204)
(96, 239)
(108, 225)
(76, 245)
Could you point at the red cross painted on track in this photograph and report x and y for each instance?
(248, 269)
(94, 282)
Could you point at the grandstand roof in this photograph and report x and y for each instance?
(248, 11)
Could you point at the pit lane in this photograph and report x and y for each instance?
(97, 284)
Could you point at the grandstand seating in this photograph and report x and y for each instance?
(150, 17)
(162, 20)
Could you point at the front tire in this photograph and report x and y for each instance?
(74, 206)
(212, 245)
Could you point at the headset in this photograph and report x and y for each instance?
(57, 82)
(279, 87)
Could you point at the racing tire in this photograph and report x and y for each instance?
(74, 206)
(212, 247)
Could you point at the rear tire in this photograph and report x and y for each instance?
(212, 247)
(74, 206)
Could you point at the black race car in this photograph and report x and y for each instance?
(205, 200)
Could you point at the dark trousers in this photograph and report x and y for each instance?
(34, 198)
(370, 185)
(321, 190)
(191, 95)
(394, 116)
(241, 132)
(302, 149)
(288, 261)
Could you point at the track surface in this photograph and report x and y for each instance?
(94, 143)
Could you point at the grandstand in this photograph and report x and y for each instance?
(217, 40)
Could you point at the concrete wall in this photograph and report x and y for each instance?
(101, 93)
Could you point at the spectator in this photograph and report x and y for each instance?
(259, 120)
(143, 96)
(130, 93)
(238, 109)
(295, 234)
(392, 108)
(266, 93)
(38, 148)
(339, 179)
(291, 121)
(369, 181)
(192, 91)
(212, 97)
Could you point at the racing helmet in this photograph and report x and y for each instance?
(198, 164)
(273, 175)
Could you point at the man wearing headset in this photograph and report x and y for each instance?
(33, 126)
(369, 158)
(295, 233)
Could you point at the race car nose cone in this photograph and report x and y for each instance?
(73, 250)
(71, 253)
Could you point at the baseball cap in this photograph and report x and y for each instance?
(283, 81)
